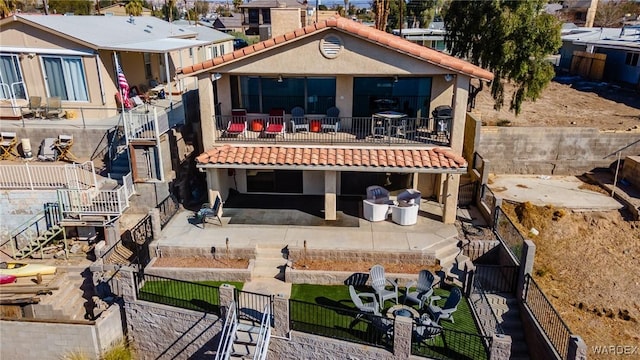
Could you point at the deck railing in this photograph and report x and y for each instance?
(547, 317)
(49, 176)
(350, 130)
(93, 201)
(506, 231)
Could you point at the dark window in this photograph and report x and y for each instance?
(278, 181)
(632, 59)
(266, 16)
(254, 16)
(411, 96)
(260, 94)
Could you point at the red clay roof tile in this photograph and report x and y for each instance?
(322, 156)
(357, 29)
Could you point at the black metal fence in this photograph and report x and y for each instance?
(168, 208)
(137, 239)
(451, 344)
(342, 130)
(179, 293)
(508, 233)
(497, 278)
(341, 323)
(546, 315)
(483, 311)
(487, 197)
(251, 305)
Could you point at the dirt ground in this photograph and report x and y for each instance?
(588, 264)
(580, 104)
(399, 268)
(193, 262)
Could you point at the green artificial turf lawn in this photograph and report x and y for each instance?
(199, 296)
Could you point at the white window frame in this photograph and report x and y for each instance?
(67, 80)
(16, 61)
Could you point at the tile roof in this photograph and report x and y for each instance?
(356, 29)
(369, 157)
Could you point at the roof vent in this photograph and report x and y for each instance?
(131, 19)
(147, 31)
(330, 46)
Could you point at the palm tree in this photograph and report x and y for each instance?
(6, 8)
(346, 7)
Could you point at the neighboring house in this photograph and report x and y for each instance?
(257, 17)
(72, 57)
(361, 71)
(228, 24)
(432, 37)
(120, 9)
(221, 43)
(610, 54)
(576, 11)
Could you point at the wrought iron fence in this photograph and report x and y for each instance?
(251, 305)
(487, 197)
(140, 235)
(466, 194)
(484, 313)
(323, 130)
(179, 293)
(497, 278)
(168, 208)
(547, 317)
(341, 323)
(507, 232)
(451, 344)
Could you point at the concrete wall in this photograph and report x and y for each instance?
(51, 341)
(553, 151)
(311, 347)
(631, 170)
(85, 141)
(313, 182)
(161, 332)
(18, 206)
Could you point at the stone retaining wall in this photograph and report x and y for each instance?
(406, 257)
(201, 274)
(203, 252)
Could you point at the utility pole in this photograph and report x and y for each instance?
(401, 3)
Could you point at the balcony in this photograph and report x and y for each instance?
(318, 129)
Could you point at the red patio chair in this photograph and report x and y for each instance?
(275, 124)
(238, 123)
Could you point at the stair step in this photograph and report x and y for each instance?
(442, 244)
(250, 328)
(243, 350)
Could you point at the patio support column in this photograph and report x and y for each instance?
(460, 96)
(500, 347)
(207, 112)
(330, 190)
(226, 297)
(402, 329)
(280, 315)
(414, 181)
(450, 198)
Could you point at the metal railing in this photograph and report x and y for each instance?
(179, 293)
(488, 198)
(478, 162)
(167, 208)
(128, 185)
(340, 323)
(508, 233)
(497, 278)
(483, 311)
(26, 176)
(262, 345)
(452, 344)
(547, 317)
(140, 235)
(350, 130)
(225, 345)
(34, 228)
(93, 201)
(250, 304)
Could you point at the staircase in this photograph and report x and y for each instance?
(244, 340)
(68, 301)
(506, 308)
(37, 232)
(39, 242)
(445, 251)
(121, 255)
(269, 263)
(120, 165)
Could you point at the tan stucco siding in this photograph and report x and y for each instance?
(356, 58)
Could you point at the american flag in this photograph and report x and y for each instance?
(123, 85)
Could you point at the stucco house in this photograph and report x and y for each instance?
(72, 57)
(257, 16)
(120, 9)
(366, 74)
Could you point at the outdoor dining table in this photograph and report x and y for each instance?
(382, 122)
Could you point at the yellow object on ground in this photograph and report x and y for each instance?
(24, 269)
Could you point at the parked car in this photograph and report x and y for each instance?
(239, 44)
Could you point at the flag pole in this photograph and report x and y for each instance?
(115, 61)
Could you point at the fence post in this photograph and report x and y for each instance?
(500, 347)
(227, 297)
(577, 348)
(156, 223)
(127, 285)
(526, 264)
(494, 213)
(469, 277)
(402, 329)
(112, 233)
(280, 315)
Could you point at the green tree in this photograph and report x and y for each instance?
(134, 7)
(508, 37)
(6, 8)
(77, 7)
(201, 7)
(170, 10)
(236, 5)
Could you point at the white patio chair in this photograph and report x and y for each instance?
(379, 283)
(370, 307)
(423, 288)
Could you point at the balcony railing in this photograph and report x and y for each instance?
(93, 202)
(315, 129)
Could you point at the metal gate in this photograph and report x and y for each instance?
(466, 194)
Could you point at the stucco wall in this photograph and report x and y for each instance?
(161, 332)
(313, 182)
(631, 170)
(51, 341)
(552, 151)
(311, 347)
